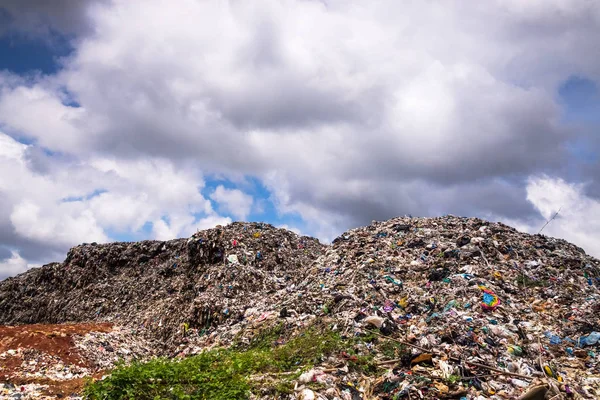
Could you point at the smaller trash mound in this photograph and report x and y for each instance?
(162, 289)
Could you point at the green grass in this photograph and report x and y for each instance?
(225, 373)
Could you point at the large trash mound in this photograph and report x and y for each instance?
(470, 290)
(448, 270)
(485, 311)
(157, 286)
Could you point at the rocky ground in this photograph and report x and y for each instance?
(478, 309)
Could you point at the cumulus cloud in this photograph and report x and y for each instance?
(13, 265)
(346, 112)
(185, 226)
(55, 126)
(579, 218)
(233, 201)
(74, 201)
(63, 225)
(290, 228)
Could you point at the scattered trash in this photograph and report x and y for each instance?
(375, 320)
(591, 339)
(535, 393)
(490, 301)
(307, 394)
(421, 358)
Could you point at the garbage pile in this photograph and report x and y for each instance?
(482, 310)
(162, 289)
(466, 292)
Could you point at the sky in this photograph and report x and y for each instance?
(151, 119)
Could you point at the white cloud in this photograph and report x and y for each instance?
(291, 228)
(87, 200)
(185, 225)
(233, 201)
(14, 265)
(10, 149)
(64, 224)
(579, 218)
(149, 190)
(55, 125)
(212, 221)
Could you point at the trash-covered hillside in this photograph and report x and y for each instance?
(475, 309)
(156, 287)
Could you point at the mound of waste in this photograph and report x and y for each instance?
(161, 288)
(477, 309)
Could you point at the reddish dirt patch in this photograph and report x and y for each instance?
(52, 340)
(55, 340)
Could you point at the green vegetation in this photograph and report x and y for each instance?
(232, 373)
(211, 375)
(391, 349)
(524, 280)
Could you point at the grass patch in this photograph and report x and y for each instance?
(224, 373)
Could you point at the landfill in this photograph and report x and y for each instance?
(482, 310)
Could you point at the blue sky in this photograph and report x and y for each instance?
(22, 55)
(581, 99)
(130, 120)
